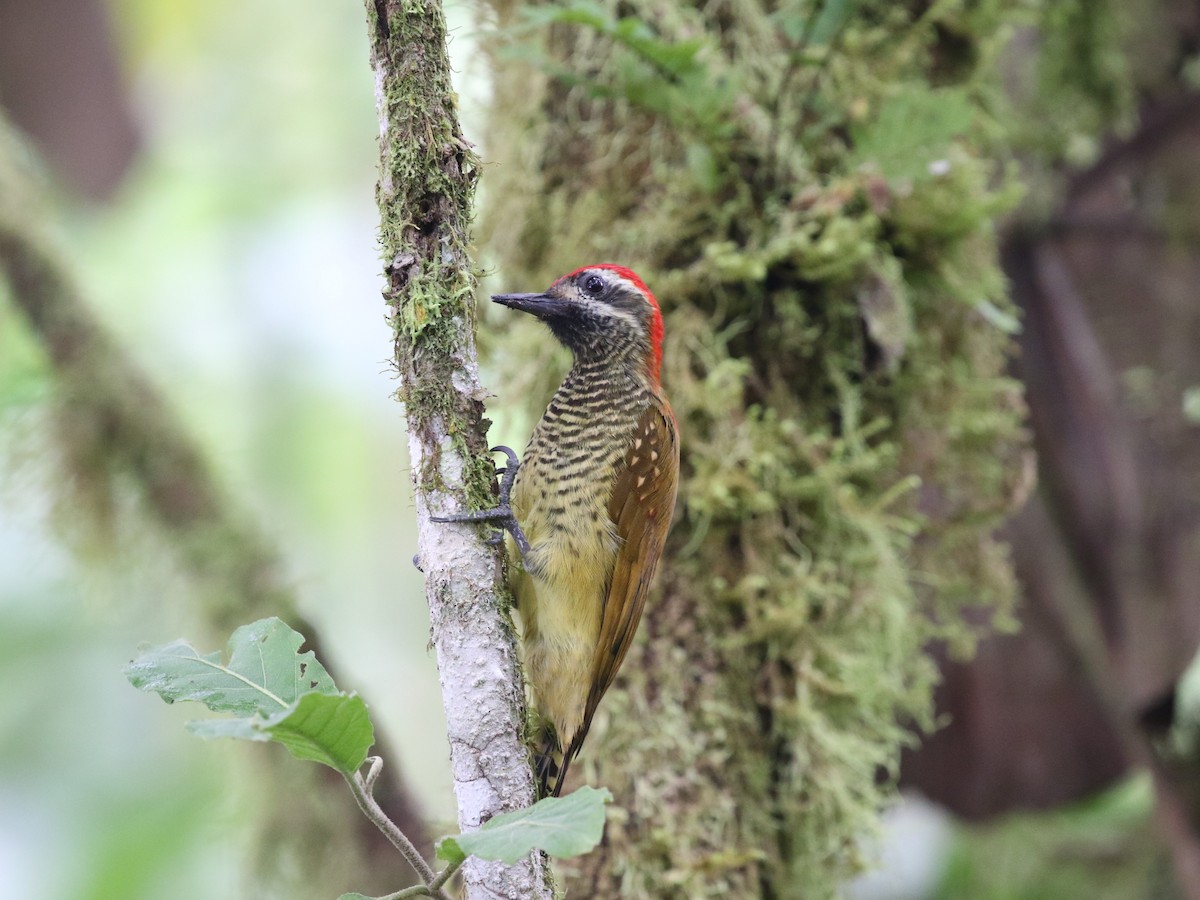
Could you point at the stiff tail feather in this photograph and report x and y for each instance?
(551, 764)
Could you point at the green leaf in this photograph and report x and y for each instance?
(247, 729)
(354, 897)
(832, 18)
(675, 58)
(283, 696)
(807, 27)
(335, 731)
(562, 827)
(580, 12)
(332, 729)
(265, 672)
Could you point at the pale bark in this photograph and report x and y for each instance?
(425, 195)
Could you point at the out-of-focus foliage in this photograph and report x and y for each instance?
(1103, 849)
(237, 265)
(86, 813)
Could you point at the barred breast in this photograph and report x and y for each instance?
(561, 499)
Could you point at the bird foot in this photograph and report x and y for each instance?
(501, 513)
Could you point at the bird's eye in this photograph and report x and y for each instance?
(593, 284)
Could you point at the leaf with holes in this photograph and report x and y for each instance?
(562, 827)
(281, 694)
(265, 672)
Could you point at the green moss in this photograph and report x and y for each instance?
(426, 190)
(833, 356)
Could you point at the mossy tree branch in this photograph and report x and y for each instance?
(425, 193)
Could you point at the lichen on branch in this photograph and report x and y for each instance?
(425, 193)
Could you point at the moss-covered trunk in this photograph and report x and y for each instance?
(809, 189)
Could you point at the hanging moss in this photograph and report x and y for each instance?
(810, 191)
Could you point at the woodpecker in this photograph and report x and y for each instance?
(591, 501)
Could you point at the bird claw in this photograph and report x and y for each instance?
(509, 471)
(501, 513)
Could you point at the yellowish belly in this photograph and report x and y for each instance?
(560, 591)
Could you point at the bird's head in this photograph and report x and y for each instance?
(600, 312)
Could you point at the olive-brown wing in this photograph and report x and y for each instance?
(642, 504)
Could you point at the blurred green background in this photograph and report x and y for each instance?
(236, 262)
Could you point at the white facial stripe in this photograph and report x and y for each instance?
(612, 278)
(629, 285)
(624, 315)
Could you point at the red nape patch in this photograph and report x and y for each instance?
(656, 321)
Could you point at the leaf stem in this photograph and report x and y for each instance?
(433, 889)
(375, 766)
(373, 811)
(444, 875)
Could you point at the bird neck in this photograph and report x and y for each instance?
(596, 405)
(617, 359)
(624, 376)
